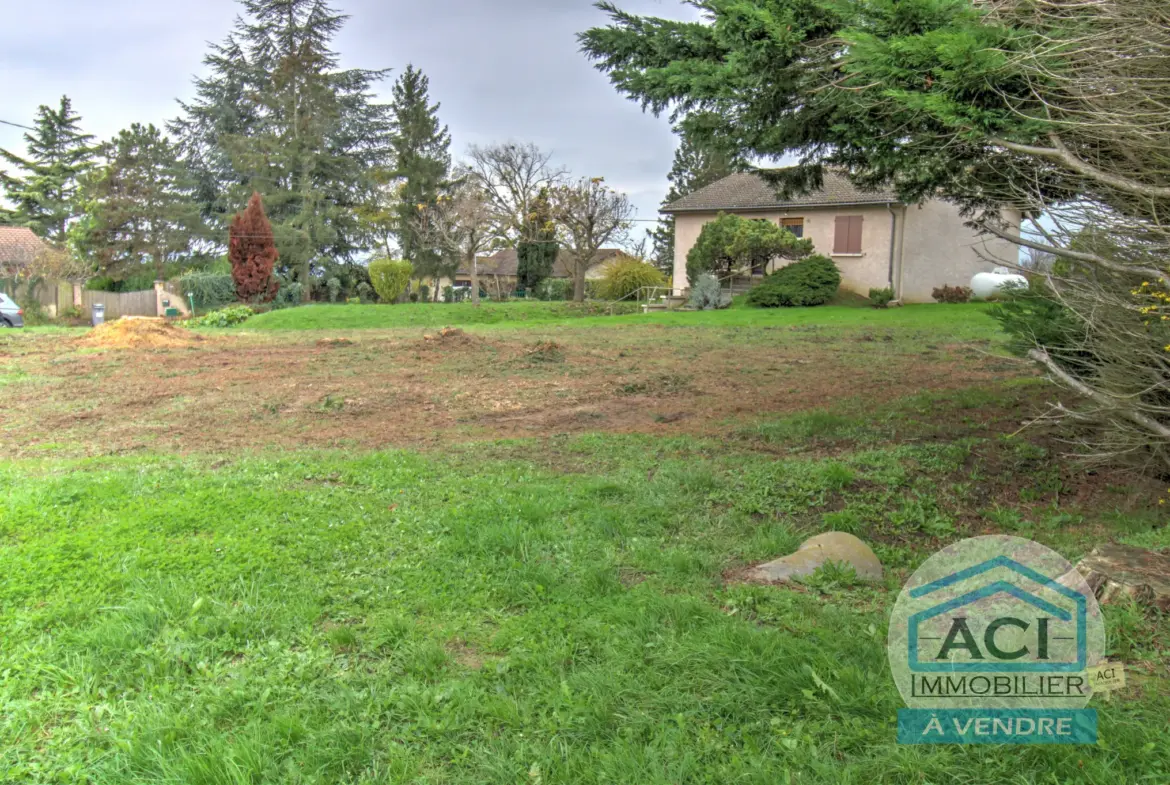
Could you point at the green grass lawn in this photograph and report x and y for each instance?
(956, 321)
(480, 618)
(366, 317)
(549, 610)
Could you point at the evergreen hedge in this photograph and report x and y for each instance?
(811, 281)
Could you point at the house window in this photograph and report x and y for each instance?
(847, 237)
(794, 225)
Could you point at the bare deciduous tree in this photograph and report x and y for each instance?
(460, 224)
(589, 215)
(57, 263)
(513, 175)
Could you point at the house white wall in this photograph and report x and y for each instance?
(929, 245)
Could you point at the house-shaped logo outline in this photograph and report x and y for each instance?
(999, 587)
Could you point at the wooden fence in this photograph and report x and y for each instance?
(119, 304)
(55, 296)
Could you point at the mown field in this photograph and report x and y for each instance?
(282, 555)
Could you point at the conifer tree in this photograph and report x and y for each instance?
(538, 247)
(252, 253)
(276, 115)
(699, 161)
(139, 208)
(44, 187)
(420, 161)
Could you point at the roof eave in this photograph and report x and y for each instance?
(773, 207)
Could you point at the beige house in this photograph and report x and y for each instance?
(875, 240)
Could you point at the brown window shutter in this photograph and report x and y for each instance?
(855, 234)
(847, 234)
(841, 235)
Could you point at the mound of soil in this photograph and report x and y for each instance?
(546, 352)
(449, 336)
(136, 332)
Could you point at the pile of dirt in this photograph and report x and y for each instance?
(449, 336)
(136, 332)
(546, 352)
(335, 343)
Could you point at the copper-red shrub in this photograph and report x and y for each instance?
(252, 253)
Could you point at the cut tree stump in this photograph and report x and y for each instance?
(1117, 571)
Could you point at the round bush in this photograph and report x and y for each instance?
(390, 278)
(811, 281)
(626, 275)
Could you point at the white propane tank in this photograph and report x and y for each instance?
(984, 286)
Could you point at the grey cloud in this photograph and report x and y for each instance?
(503, 69)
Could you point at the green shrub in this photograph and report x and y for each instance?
(414, 297)
(353, 301)
(71, 313)
(225, 317)
(365, 292)
(554, 289)
(101, 283)
(390, 278)
(732, 242)
(881, 298)
(708, 295)
(1035, 317)
(951, 294)
(334, 287)
(211, 290)
(811, 281)
(289, 295)
(448, 294)
(34, 312)
(424, 292)
(135, 282)
(626, 275)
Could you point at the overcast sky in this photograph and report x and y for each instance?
(503, 69)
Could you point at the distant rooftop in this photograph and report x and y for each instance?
(18, 246)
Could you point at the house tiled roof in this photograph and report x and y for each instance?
(507, 262)
(18, 246)
(749, 191)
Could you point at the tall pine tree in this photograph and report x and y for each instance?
(421, 162)
(276, 115)
(139, 207)
(44, 189)
(700, 160)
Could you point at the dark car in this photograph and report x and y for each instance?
(11, 314)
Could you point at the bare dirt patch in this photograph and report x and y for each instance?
(394, 388)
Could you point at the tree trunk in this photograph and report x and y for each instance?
(579, 271)
(474, 278)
